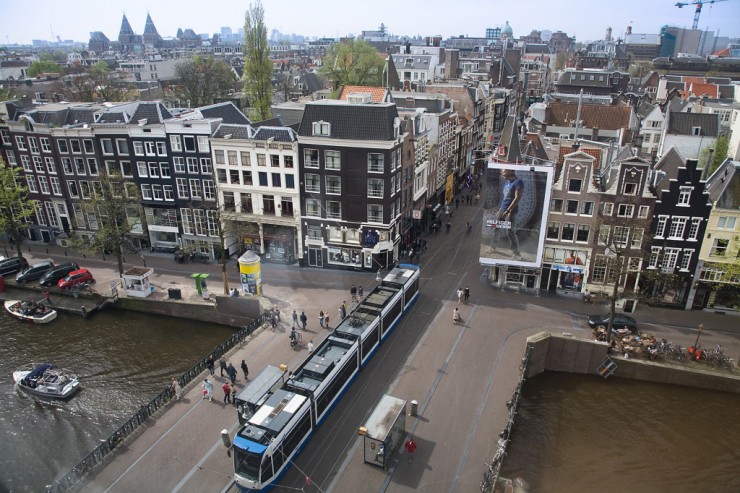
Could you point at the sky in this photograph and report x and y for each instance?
(586, 19)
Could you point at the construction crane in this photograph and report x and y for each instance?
(699, 4)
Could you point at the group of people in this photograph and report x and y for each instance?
(31, 308)
(229, 388)
(463, 295)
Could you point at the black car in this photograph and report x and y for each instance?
(620, 321)
(34, 271)
(12, 265)
(52, 276)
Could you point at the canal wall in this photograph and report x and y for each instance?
(234, 312)
(565, 353)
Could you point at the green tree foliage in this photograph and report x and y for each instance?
(6, 93)
(16, 209)
(721, 147)
(96, 83)
(114, 212)
(43, 67)
(257, 63)
(203, 79)
(640, 68)
(355, 63)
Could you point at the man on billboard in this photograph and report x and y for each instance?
(512, 195)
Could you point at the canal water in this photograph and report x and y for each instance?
(123, 359)
(581, 433)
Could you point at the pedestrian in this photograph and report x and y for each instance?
(410, 448)
(459, 295)
(227, 393)
(47, 297)
(353, 293)
(326, 320)
(456, 319)
(457, 202)
(304, 319)
(321, 318)
(448, 226)
(232, 373)
(295, 319)
(176, 389)
(207, 390)
(477, 197)
(340, 312)
(233, 394)
(424, 245)
(310, 347)
(222, 365)
(245, 369)
(273, 319)
(466, 293)
(211, 365)
(360, 292)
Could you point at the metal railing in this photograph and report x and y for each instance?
(493, 468)
(146, 411)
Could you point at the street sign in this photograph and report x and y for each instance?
(416, 214)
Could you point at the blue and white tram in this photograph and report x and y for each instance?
(281, 418)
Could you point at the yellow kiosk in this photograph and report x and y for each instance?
(250, 273)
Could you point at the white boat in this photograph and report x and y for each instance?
(31, 311)
(47, 381)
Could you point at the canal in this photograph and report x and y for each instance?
(123, 359)
(581, 433)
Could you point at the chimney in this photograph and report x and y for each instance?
(629, 30)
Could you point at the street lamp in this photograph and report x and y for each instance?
(701, 329)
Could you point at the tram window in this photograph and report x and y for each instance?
(294, 437)
(247, 464)
(278, 458)
(391, 315)
(332, 390)
(266, 472)
(370, 342)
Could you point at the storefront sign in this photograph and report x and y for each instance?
(416, 214)
(568, 268)
(370, 238)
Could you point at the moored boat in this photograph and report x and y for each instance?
(31, 311)
(47, 381)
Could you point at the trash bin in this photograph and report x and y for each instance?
(174, 293)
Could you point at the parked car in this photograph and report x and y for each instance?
(12, 265)
(620, 321)
(75, 278)
(54, 275)
(34, 271)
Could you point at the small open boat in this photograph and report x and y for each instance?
(31, 311)
(47, 381)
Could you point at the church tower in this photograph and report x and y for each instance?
(151, 36)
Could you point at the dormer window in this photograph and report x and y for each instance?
(695, 130)
(322, 129)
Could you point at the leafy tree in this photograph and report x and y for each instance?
(560, 60)
(721, 147)
(257, 63)
(96, 83)
(42, 67)
(640, 68)
(16, 209)
(6, 93)
(203, 79)
(116, 209)
(57, 56)
(354, 62)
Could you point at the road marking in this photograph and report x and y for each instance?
(199, 464)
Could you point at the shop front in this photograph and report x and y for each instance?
(279, 243)
(564, 269)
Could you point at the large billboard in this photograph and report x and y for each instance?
(515, 204)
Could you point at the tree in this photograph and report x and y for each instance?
(560, 60)
(16, 209)
(6, 93)
(721, 147)
(113, 213)
(640, 68)
(42, 67)
(203, 79)
(96, 83)
(353, 62)
(257, 63)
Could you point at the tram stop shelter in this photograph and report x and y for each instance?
(136, 282)
(384, 431)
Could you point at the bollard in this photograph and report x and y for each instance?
(227, 441)
(414, 408)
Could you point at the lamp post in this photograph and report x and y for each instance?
(701, 329)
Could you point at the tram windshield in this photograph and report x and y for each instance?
(247, 464)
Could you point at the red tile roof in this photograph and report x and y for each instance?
(698, 89)
(599, 116)
(377, 93)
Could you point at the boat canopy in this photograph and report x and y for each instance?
(39, 370)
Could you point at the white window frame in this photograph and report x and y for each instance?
(138, 148)
(684, 196)
(643, 212)
(625, 210)
(678, 228)
(146, 191)
(312, 183)
(375, 213)
(308, 161)
(660, 226)
(331, 189)
(686, 259)
(178, 163)
(332, 160)
(175, 143)
(321, 129)
(375, 162)
(142, 169)
(313, 208)
(182, 188)
(375, 188)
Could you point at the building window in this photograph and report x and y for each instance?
(686, 259)
(670, 258)
(719, 247)
(203, 145)
(288, 160)
(637, 235)
(153, 170)
(313, 208)
(161, 149)
(289, 181)
(205, 166)
(127, 171)
(274, 160)
(726, 222)
(187, 221)
(157, 192)
(247, 178)
(150, 149)
(556, 205)
(276, 181)
(660, 227)
(164, 170)
(625, 210)
(31, 184)
(121, 145)
(553, 231)
(694, 228)
(231, 157)
(568, 231)
(268, 204)
(630, 188)
(188, 143)
(375, 188)
(38, 164)
(245, 157)
(262, 178)
(312, 183)
(286, 206)
(138, 148)
(608, 208)
(168, 192)
(6, 138)
(571, 207)
(175, 143)
(61, 144)
(261, 160)
(246, 202)
(195, 189)
(332, 160)
(179, 164)
(678, 227)
(575, 185)
(20, 142)
(182, 188)
(684, 196)
(584, 231)
(209, 190)
(311, 158)
(599, 269)
(218, 154)
(333, 209)
(643, 211)
(374, 213)
(621, 236)
(333, 185)
(146, 191)
(142, 169)
(375, 163)
(192, 165)
(34, 146)
(587, 208)
(321, 129)
(107, 146)
(314, 233)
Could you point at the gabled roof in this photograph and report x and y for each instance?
(534, 148)
(698, 89)
(151, 112)
(667, 166)
(644, 108)
(227, 111)
(312, 82)
(599, 116)
(227, 131)
(724, 185)
(511, 152)
(279, 134)
(564, 150)
(379, 94)
(272, 122)
(684, 124)
(371, 121)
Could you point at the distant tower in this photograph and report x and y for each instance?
(126, 34)
(507, 32)
(151, 36)
(608, 36)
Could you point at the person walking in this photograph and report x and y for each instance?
(304, 319)
(273, 319)
(310, 347)
(353, 293)
(321, 318)
(448, 226)
(207, 390)
(459, 295)
(47, 297)
(295, 319)
(211, 365)
(176, 389)
(326, 321)
(233, 393)
(410, 447)
(222, 365)
(466, 294)
(232, 373)
(456, 319)
(360, 292)
(245, 369)
(340, 312)
(227, 393)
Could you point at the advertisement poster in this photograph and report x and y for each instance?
(514, 214)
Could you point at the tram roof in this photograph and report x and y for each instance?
(273, 415)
